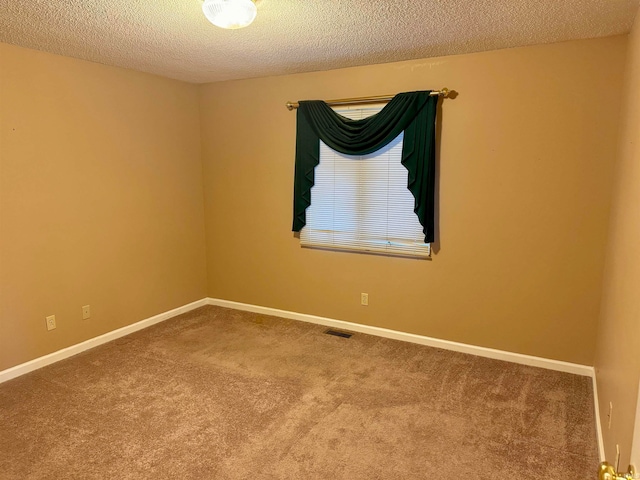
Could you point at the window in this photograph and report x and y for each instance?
(362, 203)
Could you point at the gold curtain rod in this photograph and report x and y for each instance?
(444, 93)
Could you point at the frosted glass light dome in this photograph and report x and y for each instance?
(230, 14)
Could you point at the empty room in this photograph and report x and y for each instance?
(341, 239)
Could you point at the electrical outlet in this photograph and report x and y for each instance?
(364, 299)
(610, 415)
(86, 312)
(51, 322)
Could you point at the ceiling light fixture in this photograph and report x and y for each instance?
(230, 14)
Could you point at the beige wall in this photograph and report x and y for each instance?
(100, 199)
(525, 185)
(618, 351)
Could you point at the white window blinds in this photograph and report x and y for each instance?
(362, 203)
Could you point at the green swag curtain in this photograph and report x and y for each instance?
(411, 112)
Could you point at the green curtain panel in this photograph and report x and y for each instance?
(411, 112)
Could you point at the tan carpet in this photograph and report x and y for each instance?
(223, 394)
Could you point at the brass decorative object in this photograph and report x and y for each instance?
(608, 472)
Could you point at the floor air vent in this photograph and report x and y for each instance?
(336, 333)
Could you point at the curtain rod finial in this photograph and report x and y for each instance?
(290, 106)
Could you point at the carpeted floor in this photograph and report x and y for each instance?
(223, 394)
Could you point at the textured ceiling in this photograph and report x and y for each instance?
(173, 39)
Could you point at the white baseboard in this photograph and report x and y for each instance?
(596, 404)
(40, 362)
(530, 360)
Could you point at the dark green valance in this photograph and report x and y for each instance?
(411, 112)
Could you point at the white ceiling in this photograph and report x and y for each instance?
(173, 39)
